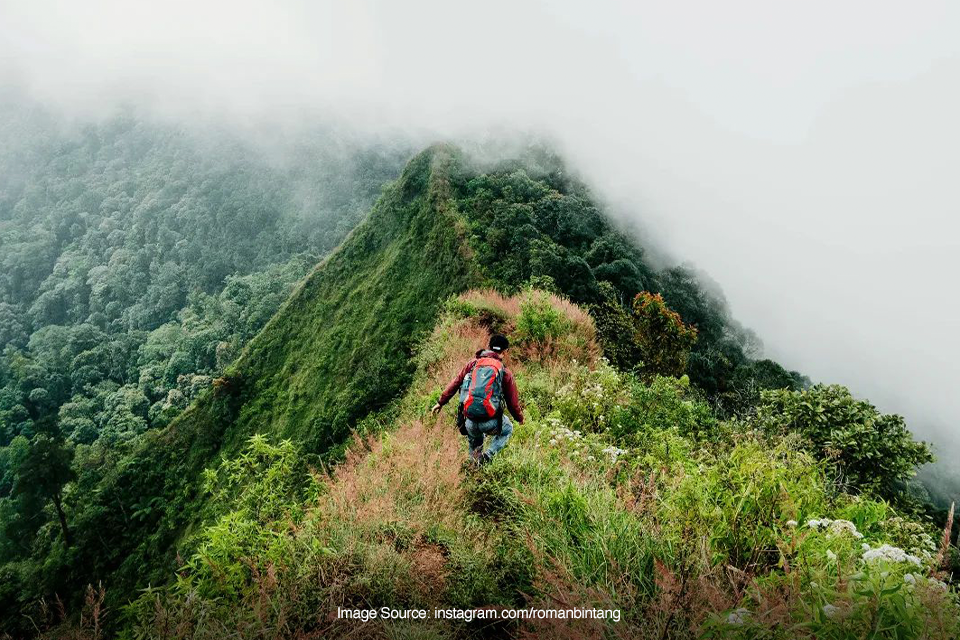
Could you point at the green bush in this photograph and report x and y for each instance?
(665, 403)
(258, 494)
(615, 329)
(591, 399)
(739, 503)
(871, 451)
(539, 322)
(844, 585)
(486, 313)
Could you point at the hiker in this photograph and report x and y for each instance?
(485, 385)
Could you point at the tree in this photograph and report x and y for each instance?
(871, 451)
(615, 329)
(749, 380)
(12, 330)
(40, 478)
(571, 273)
(664, 340)
(650, 337)
(615, 259)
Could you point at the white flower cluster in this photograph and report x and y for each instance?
(912, 579)
(890, 554)
(572, 440)
(560, 433)
(580, 446)
(835, 527)
(588, 396)
(613, 452)
(738, 616)
(595, 390)
(913, 536)
(830, 610)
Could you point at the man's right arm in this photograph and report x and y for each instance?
(454, 385)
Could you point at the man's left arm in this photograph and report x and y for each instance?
(512, 396)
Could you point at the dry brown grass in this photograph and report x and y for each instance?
(509, 306)
(460, 344)
(53, 622)
(378, 507)
(412, 475)
(558, 589)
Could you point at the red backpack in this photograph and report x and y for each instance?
(481, 393)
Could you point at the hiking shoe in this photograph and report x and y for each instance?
(485, 458)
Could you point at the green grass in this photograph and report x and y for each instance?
(616, 492)
(339, 349)
(688, 531)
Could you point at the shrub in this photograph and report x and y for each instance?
(590, 399)
(739, 503)
(539, 322)
(651, 338)
(871, 451)
(615, 329)
(665, 403)
(485, 309)
(842, 585)
(259, 494)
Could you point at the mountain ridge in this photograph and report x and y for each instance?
(615, 495)
(348, 359)
(297, 378)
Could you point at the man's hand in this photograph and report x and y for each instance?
(436, 409)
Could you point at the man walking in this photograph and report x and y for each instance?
(485, 386)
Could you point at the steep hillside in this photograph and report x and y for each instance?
(338, 350)
(615, 495)
(663, 477)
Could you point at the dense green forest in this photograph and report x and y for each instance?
(137, 257)
(136, 260)
(252, 440)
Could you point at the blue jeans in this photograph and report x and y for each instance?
(477, 430)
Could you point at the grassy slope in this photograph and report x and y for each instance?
(337, 350)
(673, 534)
(679, 525)
(341, 346)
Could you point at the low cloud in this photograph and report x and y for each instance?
(804, 155)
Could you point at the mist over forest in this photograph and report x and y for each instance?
(152, 253)
(803, 163)
(196, 199)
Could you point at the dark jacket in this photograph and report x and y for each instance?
(510, 394)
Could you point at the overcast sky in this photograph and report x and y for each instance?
(802, 153)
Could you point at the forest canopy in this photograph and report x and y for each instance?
(136, 261)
